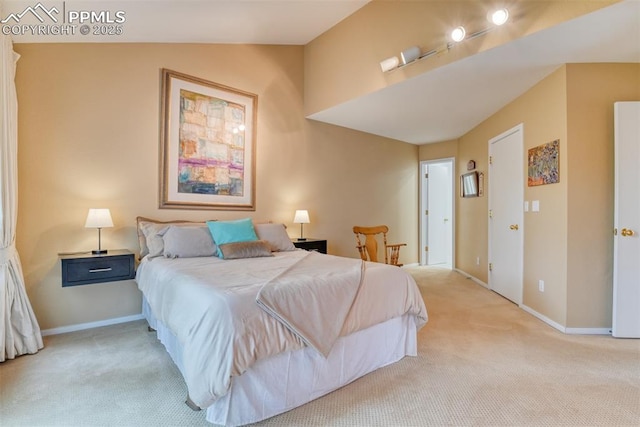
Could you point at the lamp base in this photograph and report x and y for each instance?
(99, 251)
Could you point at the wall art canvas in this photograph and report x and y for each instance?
(544, 164)
(207, 145)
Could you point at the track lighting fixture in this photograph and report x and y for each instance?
(459, 34)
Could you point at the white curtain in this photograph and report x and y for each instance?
(19, 330)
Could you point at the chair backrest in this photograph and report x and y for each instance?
(369, 250)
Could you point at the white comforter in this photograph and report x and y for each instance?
(210, 306)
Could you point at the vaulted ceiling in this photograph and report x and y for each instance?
(449, 101)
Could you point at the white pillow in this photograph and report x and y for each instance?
(276, 236)
(187, 241)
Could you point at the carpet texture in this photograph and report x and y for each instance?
(482, 362)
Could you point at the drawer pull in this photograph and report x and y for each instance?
(100, 270)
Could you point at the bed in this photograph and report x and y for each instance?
(258, 335)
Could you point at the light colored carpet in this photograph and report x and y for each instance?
(482, 362)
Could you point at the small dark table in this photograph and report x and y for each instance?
(317, 245)
(86, 268)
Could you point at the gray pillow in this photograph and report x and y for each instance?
(250, 249)
(276, 236)
(187, 241)
(153, 238)
(149, 237)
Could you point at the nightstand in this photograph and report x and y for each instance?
(86, 268)
(317, 245)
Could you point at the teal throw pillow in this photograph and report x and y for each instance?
(223, 232)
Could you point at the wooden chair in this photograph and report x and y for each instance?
(369, 250)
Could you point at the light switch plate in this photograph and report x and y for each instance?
(535, 206)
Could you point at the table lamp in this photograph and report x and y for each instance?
(99, 218)
(301, 217)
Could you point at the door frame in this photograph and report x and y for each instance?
(423, 207)
(518, 128)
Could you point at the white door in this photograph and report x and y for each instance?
(437, 206)
(506, 190)
(626, 246)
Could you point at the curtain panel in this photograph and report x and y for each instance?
(19, 329)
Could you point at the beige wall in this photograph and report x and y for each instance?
(439, 150)
(567, 244)
(545, 233)
(591, 91)
(88, 137)
(344, 62)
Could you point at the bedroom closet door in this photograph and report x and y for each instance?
(626, 246)
(506, 193)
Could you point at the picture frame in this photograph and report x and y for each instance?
(543, 164)
(207, 144)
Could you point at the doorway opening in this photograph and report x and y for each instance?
(437, 187)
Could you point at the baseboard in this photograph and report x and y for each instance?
(470, 277)
(563, 329)
(588, 331)
(544, 318)
(91, 325)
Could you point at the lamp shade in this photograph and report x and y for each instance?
(98, 218)
(301, 217)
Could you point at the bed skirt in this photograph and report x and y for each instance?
(288, 380)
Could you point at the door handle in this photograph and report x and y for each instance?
(627, 232)
(513, 227)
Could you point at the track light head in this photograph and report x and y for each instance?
(500, 16)
(458, 34)
(410, 54)
(389, 64)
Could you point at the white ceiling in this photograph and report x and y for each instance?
(449, 101)
(439, 105)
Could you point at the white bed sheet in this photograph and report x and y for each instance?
(287, 380)
(210, 305)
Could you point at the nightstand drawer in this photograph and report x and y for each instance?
(97, 269)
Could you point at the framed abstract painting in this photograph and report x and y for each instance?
(207, 145)
(544, 164)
